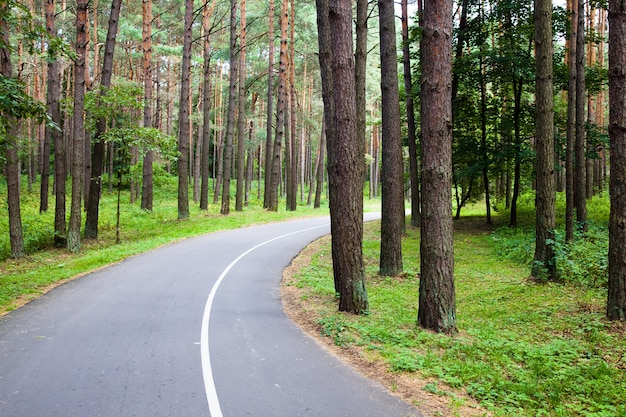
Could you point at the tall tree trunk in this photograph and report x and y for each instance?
(616, 299)
(97, 158)
(410, 118)
(78, 169)
(16, 237)
(206, 107)
(52, 105)
(232, 105)
(147, 171)
(295, 146)
(270, 108)
(241, 117)
(392, 223)
(571, 122)
(345, 160)
(280, 111)
(544, 267)
(437, 305)
(319, 170)
(580, 178)
(183, 116)
(56, 136)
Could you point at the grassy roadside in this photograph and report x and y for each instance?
(524, 349)
(44, 268)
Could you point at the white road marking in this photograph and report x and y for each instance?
(207, 372)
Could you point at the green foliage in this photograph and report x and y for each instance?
(16, 103)
(581, 262)
(524, 349)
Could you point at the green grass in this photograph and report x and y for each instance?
(44, 266)
(524, 349)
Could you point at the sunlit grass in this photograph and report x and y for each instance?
(45, 266)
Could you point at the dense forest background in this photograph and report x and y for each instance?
(227, 98)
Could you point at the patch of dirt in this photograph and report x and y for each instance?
(304, 310)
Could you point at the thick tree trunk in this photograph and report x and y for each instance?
(56, 136)
(97, 158)
(241, 116)
(78, 169)
(437, 305)
(544, 267)
(345, 166)
(54, 110)
(292, 201)
(183, 116)
(616, 300)
(147, 182)
(270, 109)
(280, 111)
(571, 123)
(16, 237)
(206, 107)
(232, 105)
(580, 169)
(392, 223)
(410, 119)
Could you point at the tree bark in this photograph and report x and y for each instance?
(232, 105)
(270, 108)
(544, 267)
(16, 236)
(345, 166)
(147, 171)
(206, 107)
(392, 223)
(616, 299)
(571, 123)
(280, 111)
(183, 116)
(410, 118)
(97, 158)
(437, 305)
(78, 169)
(241, 117)
(56, 136)
(580, 176)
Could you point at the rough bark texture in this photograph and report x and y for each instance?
(437, 305)
(270, 108)
(55, 136)
(281, 107)
(73, 235)
(616, 300)
(544, 267)
(410, 119)
(571, 123)
(16, 237)
(232, 105)
(206, 109)
(345, 167)
(97, 157)
(241, 116)
(392, 172)
(580, 173)
(183, 117)
(325, 59)
(147, 172)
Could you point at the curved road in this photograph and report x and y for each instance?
(191, 329)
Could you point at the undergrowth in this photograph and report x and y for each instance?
(524, 348)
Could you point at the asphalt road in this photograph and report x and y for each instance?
(191, 329)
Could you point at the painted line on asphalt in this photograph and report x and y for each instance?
(207, 372)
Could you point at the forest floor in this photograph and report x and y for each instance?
(523, 348)
(306, 309)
